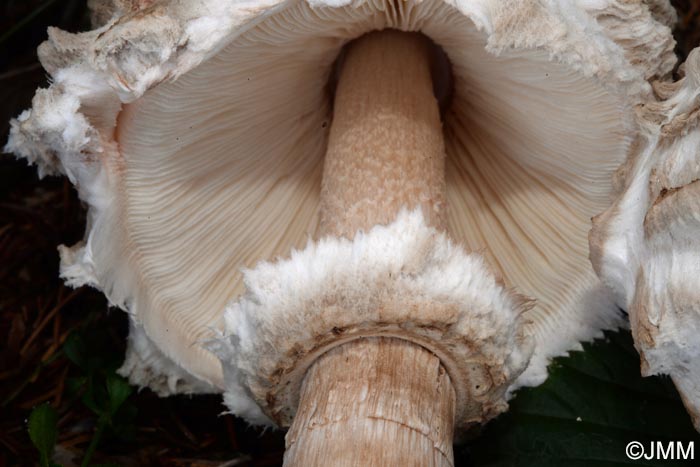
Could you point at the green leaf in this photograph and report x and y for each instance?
(89, 351)
(89, 402)
(76, 350)
(42, 428)
(74, 385)
(119, 390)
(592, 405)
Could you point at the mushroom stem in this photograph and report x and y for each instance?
(386, 148)
(374, 402)
(379, 401)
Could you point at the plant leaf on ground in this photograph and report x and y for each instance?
(100, 389)
(592, 405)
(43, 432)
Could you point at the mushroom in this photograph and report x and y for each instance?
(387, 272)
(646, 245)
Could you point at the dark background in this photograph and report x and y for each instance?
(58, 344)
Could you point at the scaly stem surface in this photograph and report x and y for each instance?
(379, 401)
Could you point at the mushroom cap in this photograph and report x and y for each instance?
(646, 245)
(195, 132)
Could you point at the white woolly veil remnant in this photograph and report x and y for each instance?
(404, 280)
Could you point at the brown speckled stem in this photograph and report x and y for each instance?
(379, 401)
(386, 147)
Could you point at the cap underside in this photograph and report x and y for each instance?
(222, 169)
